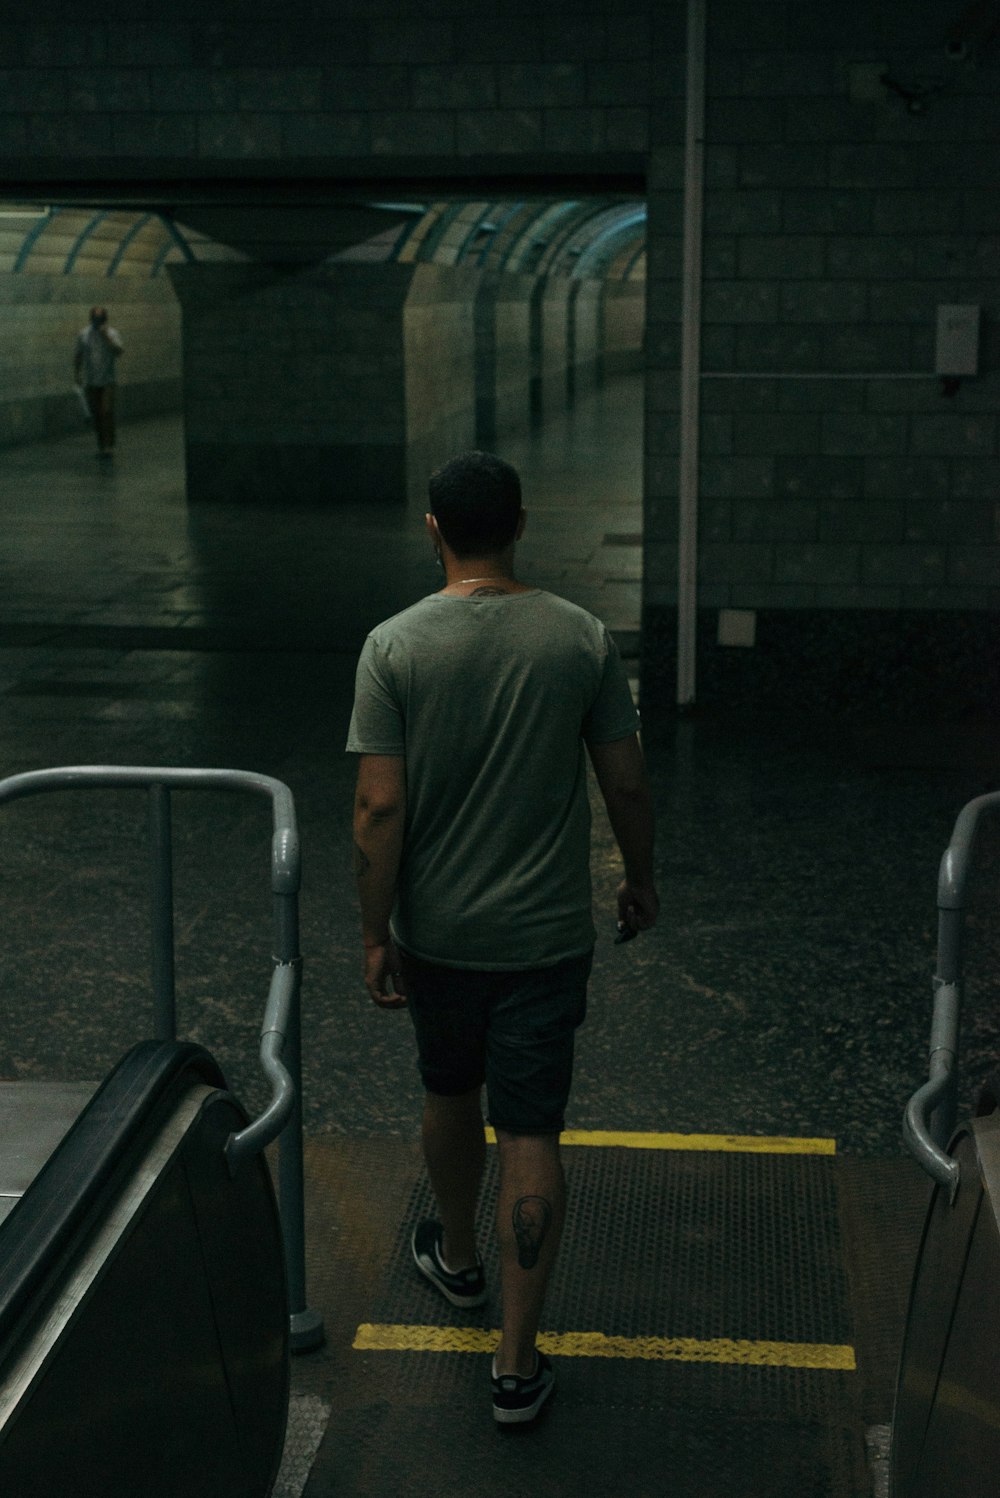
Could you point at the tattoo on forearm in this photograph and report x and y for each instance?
(362, 863)
(532, 1216)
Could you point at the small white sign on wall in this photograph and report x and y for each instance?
(738, 627)
(956, 350)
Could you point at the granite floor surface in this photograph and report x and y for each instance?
(787, 987)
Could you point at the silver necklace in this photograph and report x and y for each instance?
(460, 580)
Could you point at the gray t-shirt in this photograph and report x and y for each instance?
(491, 701)
(97, 358)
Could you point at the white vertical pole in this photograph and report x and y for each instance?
(694, 193)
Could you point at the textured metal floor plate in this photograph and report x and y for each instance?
(581, 1446)
(697, 1246)
(682, 1245)
(883, 1207)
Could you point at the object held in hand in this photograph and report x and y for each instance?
(625, 933)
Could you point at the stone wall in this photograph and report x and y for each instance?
(439, 345)
(623, 317)
(503, 357)
(553, 308)
(837, 471)
(40, 317)
(841, 211)
(584, 354)
(323, 384)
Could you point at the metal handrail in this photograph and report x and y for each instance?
(263, 1130)
(929, 1119)
(280, 1049)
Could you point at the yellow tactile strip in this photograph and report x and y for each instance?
(382, 1338)
(744, 1144)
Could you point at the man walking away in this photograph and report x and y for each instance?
(98, 347)
(472, 840)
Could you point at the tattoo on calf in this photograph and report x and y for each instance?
(532, 1216)
(362, 863)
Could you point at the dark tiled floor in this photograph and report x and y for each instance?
(787, 988)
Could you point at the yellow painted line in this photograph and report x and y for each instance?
(745, 1354)
(743, 1144)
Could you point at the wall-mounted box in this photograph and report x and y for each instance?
(738, 627)
(956, 350)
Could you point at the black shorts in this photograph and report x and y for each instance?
(512, 1030)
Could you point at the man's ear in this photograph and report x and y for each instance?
(431, 527)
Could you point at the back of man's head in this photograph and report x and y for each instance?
(476, 501)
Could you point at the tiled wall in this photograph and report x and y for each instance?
(503, 357)
(840, 212)
(282, 80)
(837, 219)
(323, 384)
(909, 665)
(358, 378)
(623, 314)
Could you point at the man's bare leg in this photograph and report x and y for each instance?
(455, 1152)
(530, 1213)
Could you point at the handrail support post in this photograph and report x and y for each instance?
(162, 912)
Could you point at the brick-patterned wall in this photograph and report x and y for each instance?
(370, 81)
(837, 220)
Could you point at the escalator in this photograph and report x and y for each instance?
(143, 1310)
(946, 1426)
(150, 1289)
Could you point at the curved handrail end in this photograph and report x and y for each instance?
(941, 1168)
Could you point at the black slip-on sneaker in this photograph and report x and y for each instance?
(517, 1400)
(463, 1287)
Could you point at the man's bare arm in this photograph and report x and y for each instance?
(621, 776)
(379, 821)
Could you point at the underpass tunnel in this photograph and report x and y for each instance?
(522, 323)
(333, 354)
(722, 282)
(571, 312)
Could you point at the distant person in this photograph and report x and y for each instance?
(473, 710)
(98, 348)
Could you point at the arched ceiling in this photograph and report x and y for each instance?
(57, 241)
(540, 237)
(601, 238)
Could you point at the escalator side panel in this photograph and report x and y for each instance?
(133, 1392)
(937, 1282)
(157, 1364)
(961, 1451)
(240, 1234)
(73, 1185)
(74, 1276)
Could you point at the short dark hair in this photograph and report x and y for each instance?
(476, 501)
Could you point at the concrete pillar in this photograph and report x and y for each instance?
(336, 382)
(623, 316)
(584, 336)
(503, 357)
(550, 340)
(439, 361)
